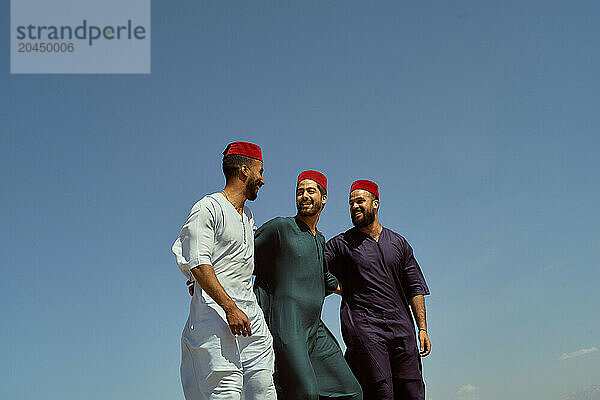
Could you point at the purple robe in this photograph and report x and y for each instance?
(378, 279)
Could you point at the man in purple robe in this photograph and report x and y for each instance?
(381, 281)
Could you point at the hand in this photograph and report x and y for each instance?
(339, 289)
(238, 321)
(424, 344)
(190, 285)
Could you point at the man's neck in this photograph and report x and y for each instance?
(236, 196)
(373, 229)
(310, 221)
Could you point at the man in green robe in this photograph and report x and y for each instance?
(291, 284)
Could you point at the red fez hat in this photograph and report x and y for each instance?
(315, 176)
(365, 185)
(243, 148)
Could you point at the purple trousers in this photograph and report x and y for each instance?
(383, 355)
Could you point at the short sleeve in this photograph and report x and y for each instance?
(195, 243)
(413, 281)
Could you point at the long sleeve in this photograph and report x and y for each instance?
(266, 239)
(331, 282)
(333, 258)
(266, 245)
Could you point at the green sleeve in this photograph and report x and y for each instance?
(266, 244)
(331, 282)
(332, 257)
(266, 240)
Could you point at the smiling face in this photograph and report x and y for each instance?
(309, 199)
(255, 179)
(363, 207)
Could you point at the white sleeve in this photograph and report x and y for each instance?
(195, 243)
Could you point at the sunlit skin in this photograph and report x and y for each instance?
(363, 211)
(310, 203)
(245, 185)
(364, 207)
(238, 189)
(255, 180)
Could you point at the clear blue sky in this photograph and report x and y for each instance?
(479, 120)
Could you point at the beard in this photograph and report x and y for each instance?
(252, 188)
(365, 219)
(315, 207)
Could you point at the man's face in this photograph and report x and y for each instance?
(363, 206)
(309, 200)
(255, 179)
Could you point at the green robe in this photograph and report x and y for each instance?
(291, 284)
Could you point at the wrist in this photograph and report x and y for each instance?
(423, 329)
(229, 306)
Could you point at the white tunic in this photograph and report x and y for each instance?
(216, 234)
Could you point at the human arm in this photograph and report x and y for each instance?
(333, 258)
(267, 245)
(238, 321)
(333, 261)
(193, 252)
(331, 283)
(415, 288)
(339, 289)
(417, 304)
(412, 279)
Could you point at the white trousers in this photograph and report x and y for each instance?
(231, 385)
(216, 365)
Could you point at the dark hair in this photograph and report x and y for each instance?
(232, 164)
(322, 189)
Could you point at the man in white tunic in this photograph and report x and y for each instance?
(227, 349)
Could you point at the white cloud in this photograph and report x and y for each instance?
(466, 389)
(586, 393)
(577, 353)
(468, 392)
